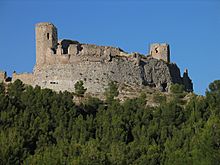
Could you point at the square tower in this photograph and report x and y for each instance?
(160, 51)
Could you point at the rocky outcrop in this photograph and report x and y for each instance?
(159, 74)
(187, 81)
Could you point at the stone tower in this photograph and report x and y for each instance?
(46, 38)
(160, 51)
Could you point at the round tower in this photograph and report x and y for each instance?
(46, 37)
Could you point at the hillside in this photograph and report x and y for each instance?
(40, 126)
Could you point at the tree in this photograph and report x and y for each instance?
(79, 88)
(213, 96)
(40, 126)
(91, 105)
(15, 89)
(111, 92)
(215, 86)
(2, 88)
(206, 143)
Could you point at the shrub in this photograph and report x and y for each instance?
(177, 88)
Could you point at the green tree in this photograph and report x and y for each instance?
(213, 97)
(79, 88)
(2, 88)
(15, 89)
(91, 105)
(215, 86)
(205, 144)
(40, 126)
(111, 92)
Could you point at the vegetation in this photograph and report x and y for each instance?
(79, 88)
(177, 88)
(111, 92)
(39, 126)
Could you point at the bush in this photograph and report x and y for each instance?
(158, 98)
(177, 88)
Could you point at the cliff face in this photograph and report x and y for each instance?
(160, 74)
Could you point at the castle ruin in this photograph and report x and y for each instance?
(160, 51)
(61, 63)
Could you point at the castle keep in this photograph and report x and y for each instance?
(61, 63)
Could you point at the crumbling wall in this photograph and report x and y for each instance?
(3, 76)
(160, 51)
(26, 78)
(95, 75)
(76, 52)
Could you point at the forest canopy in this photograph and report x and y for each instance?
(40, 126)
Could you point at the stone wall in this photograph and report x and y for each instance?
(2, 76)
(70, 52)
(97, 74)
(160, 51)
(26, 78)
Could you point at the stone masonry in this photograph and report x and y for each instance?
(160, 51)
(2, 76)
(60, 64)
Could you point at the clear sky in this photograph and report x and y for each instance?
(191, 27)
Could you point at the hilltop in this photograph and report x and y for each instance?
(61, 63)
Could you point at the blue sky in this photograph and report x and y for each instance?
(191, 27)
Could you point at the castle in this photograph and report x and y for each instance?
(61, 63)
